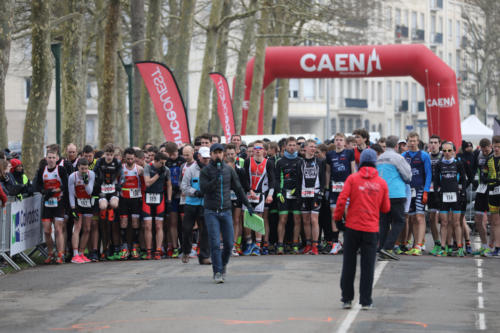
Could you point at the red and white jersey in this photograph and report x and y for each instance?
(80, 191)
(131, 186)
(52, 180)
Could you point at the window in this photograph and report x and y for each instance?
(397, 19)
(350, 125)
(333, 126)
(308, 89)
(450, 29)
(388, 17)
(388, 93)
(458, 64)
(422, 21)
(397, 130)
(367, 125)
(321, 89)
(440, 24)
(342, 125)
(357, 88)
(90, 129)
(458, 33)
(27, 87)
(293, 88)
(433, 27)
(389, 127)
(364, 95)
(372, 97)
(397, 94)
(405, 17)
(358, 123)
(379, 94)
(413, 21)
(414, 104)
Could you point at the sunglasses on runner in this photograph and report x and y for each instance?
(447, 150)
(257, 148)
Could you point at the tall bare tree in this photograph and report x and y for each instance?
(6, 24)
(172, 31)
(73, 125)
(147, 129)
(120, 96)
(41, 63)
(106, 126)
(137, 32)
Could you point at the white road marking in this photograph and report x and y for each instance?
(480, 273)
(479, 262)
(481, 322)
(479, 287)
(351, 316)
(480, 302)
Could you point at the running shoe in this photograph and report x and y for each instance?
(435, 249)
(124, 254)
(84, 258)
(175, 253)
(397, 250)
(403, 249)
(449, 251)
(347, 305)
(60, 259)
(248, 249)
(93, 256)
(193, 253)
(484, 251)
(494, 253)
(147, 256)
(218, 278)
(170, 252)
(264, 251)
(307, 249)
(157, 255)
(468, 250)
(234, 252)
(326, 248)
(77, 259)
(49, 259)
(416, 252)
(314, 250)
(461, 252)
(367, 307)
(280, 250)
(336, 248)
(410, 251)
(295, 249)
(238, 248)
(103, 257)
(114, 256)
(388, 254)
(135, 253)
(256, 251)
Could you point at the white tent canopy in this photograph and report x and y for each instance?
(474, 130)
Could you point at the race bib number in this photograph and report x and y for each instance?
(52, 202)
(135, 193)
(413, 192)
(153, 198)
(255, 199)
(482, 188)
(84, 202)
(107, 188)
(233, 196)
(337, 187)
(290, 194)
(450, 197)
(495, 191)
(307, 193)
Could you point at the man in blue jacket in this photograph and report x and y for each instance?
(394, 169)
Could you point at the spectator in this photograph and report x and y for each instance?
(7, 180)
(20, 177)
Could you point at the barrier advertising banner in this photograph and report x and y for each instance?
(224, 106)
(25, 231)
(167, 100)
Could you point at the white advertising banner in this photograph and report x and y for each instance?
(25, 231)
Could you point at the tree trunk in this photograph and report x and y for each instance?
(258, 72)
(149, 127)
(220, 65)
(181, 63)
(72, 47)
(41, 63)
(121, 133)
(172, 32)
(203, 109)
(282, 121)
(137, 33)
(244, 51)
(269, 94)
(106, 127)
(99, 65)
(6, 24)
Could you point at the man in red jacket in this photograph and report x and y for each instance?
(368, 196)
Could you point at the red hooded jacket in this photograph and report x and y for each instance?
(368, 196)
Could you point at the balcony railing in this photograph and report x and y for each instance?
(418, 35)
(401, 32)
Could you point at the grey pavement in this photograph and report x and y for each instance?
(269, 293)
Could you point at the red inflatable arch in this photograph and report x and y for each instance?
(437, 78)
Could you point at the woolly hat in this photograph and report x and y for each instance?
(15, 163)
(368, 155)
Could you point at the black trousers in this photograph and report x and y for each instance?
(367, 242)
(194, 214)
(392, 223)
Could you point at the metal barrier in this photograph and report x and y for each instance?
(21, 229)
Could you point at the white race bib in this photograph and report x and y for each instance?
(153, 198)
(135, 193)
(52, 202)
(413, 192)
(289, 194)
(84, 202)
(449, 196)
(495, 191)
(482, 188)
(307, 192)
(255, 199)
(107, 188)
(337, 187)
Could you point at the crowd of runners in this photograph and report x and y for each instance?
(133, 203)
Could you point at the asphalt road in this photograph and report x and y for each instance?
(273, 293)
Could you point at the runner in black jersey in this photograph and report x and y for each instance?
(340, 163)
(434, 201)
(311, 185)
(107, 186)
(480, 170)
(450, 181)
(287, 171)
(174, 163)
(259, 172)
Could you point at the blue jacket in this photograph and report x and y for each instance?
(394, 169)
(190, 184)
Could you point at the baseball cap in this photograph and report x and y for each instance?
(204, 152)
(216, 146)
(402, 141)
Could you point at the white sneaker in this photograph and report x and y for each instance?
(234, 253)
(193, 254)
(336, 248)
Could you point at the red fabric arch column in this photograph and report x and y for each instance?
(416, 60)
